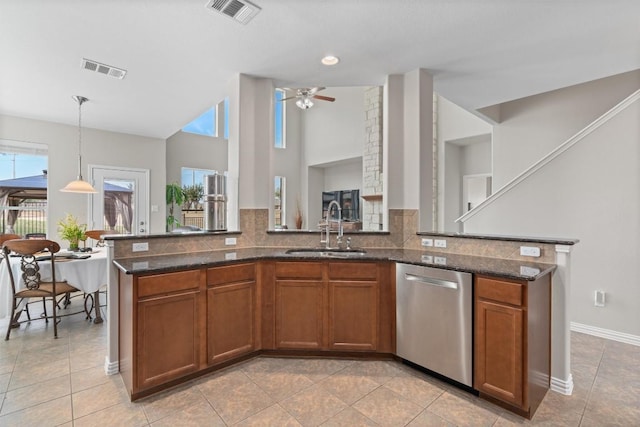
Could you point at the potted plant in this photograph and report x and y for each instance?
(193, 194)
(175, 196)
(70, 230)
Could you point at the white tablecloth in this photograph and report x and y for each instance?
(88, 275)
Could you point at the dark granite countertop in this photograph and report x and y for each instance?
(548, 240)
(473, 264)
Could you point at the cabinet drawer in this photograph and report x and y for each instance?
(353, 270)
(299, 270)
(168, 282)
(231, 273)
(500, 290)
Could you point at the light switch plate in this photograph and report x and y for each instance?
(230, 241)
(140, 247)
(530, 251)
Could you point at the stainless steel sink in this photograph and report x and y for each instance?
(327, 253)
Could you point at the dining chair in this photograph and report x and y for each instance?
(35, 236)
(97, 236)
(5, 237)
(91, 299)
(28, 252)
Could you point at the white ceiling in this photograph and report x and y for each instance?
(180, 56)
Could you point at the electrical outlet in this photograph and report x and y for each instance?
(427, 242)
(530, 251)
(230, 241)
(440, 260)
(230, 255)
(427, 258)
(140, 247)
(440, 243)
(600, 298)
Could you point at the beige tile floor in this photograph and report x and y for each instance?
(61, 382)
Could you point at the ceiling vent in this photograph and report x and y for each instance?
(108, 70)
(241, 11)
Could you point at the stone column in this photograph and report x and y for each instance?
(372, 178)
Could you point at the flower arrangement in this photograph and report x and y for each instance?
(69, 229)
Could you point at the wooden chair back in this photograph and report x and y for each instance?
(27, 250)
(5, 237)
(96, 235)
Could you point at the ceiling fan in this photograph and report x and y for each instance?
(305, 95)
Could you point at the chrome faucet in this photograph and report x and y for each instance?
(327, 226)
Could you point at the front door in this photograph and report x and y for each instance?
(121, 203)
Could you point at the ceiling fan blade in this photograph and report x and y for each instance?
(286, 99)
(315, 90)
(324, 98)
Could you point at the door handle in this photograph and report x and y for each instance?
(431, 281)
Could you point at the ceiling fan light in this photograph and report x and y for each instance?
(330, 60)
(304, 103)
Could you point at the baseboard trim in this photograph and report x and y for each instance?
(606, 333)
(562, 386)
(111, 368)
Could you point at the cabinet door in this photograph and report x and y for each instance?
(231, 313)
(299, 319)
(499, 351)
(168, 338)
(353, 315)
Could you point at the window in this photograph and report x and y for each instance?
(279, 202)
(205, 124)
(279, 125)
(23, 164)
(194, 176)
(226, 118)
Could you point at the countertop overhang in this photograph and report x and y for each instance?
(511, 269)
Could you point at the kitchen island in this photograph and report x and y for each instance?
(183, 315)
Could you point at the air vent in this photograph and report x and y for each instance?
(241, 11)
(91, 65)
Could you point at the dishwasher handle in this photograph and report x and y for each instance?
(431, 281)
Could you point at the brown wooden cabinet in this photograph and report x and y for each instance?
(232, 321)
(512, 341)
(165, 328)
(177, 325)
(330, 306)
(353, 306)
(299, 305)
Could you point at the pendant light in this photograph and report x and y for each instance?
(79, 185)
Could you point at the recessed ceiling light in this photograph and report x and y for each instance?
(330, 60)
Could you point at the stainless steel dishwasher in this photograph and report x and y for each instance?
(434, 320)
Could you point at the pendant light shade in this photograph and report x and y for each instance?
(79, 185)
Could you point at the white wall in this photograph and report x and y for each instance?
(590, 192)
(533, 126)
(334, 130)
(195, 151)
(346, 175)
(98, 148)
(456, 124)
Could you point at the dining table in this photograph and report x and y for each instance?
(86, 271)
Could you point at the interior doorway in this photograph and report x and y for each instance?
(475, 189)
(122, 199)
